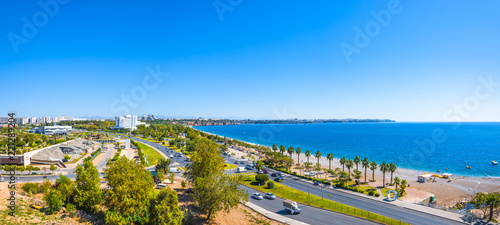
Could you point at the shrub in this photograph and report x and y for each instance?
(261, 178)
(30, 188)
(377, 194)
(45, 186)
(371, 192)
(270, 184)
(70, 207)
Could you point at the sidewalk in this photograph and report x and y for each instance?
(273, 216)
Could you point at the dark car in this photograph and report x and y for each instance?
(277, 174)
(190, 190)
(278, 179)
(265, 171)
(316, 182)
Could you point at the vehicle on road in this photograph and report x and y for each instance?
(161, 186)
(241, 169)
(291, 206)
(122, 147)
(316, 182)
(278, 179)
(190, 190)
(270, 196)
(44, 176)
(265, 171)
(257, 196)
(174, 170)
(312, 174)
(171, 156)
(277, 174)
(249, 167)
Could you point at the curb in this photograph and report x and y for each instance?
(273, 216)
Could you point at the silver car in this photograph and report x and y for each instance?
(269, 195)
(257, 196)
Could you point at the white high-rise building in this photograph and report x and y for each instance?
(33, 120)
(127, 122)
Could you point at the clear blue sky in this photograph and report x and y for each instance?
(255, 59)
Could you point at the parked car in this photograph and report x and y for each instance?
(269, 196)
(161, 186)
(312, 173)
(257, 196)
(249, 167)
(278, 179)
(265, 171)
(316, 182)
(277, 174)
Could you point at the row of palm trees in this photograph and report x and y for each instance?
(349, 163)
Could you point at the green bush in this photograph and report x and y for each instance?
(377, 194)
(371, 193)
(70, 207)
(30, 188)
(270, 184)
(261, 178)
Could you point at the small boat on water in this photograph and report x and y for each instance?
(494, 162)
(468, 167)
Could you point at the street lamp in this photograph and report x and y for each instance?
(475, 188)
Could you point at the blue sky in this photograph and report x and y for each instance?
(257, 59)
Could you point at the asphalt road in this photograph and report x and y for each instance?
(381, 208)
(310, 215)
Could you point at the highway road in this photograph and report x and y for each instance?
(310, 215)
(371, 205)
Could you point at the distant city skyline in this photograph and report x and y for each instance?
(400, 60)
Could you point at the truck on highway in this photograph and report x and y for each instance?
(291, 206)
(241, 169)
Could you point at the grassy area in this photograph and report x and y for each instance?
(302, 197)
(384, 191)
(228, 166)
(173, 147)
(152, 155)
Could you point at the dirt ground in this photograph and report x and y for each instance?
(242, 215)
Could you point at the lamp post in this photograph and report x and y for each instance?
(475, 188)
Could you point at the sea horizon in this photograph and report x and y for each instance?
(435, 146)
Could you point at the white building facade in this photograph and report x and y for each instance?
(127, 122)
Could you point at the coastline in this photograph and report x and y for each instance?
(449, 193)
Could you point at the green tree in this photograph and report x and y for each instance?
(171, 177)
(205, 161)
(88, 193)
(318, 155)
(218, 192)
(53, 167)
(164, 208)
(343, 177)
(349, 164)
(259, 165)
(131, 187)
(402, 188)
(397, 181)
(308, 154)
(329, 156)
(343, 161)
(20, 168)
(384, 167)
(392, 168)
(290, 151)
(356, 161)
(357, 175)
(365, 164)
(373, 167)
(275, 147)
(298, 151)
(66, 187)
(29, 168)
(493, 201)
(261, 178)
(54, 200)
(163, 166)
(282, 149)
(67, 157)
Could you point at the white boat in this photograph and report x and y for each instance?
(494, 162)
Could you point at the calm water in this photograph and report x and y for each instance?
(420, 146)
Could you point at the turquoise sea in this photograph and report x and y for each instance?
(419, 146)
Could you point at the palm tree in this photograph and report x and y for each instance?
(357, 160)
(373, 167)
(493, 200)
(349, 164)
(290, 151)
(275, 147)
(392, 168)
(384, 167)
(298, 151)
(282, 149)
(343, 161)
(329, 156)
(397, 181)
(318, 155)
(308, 154)
(365, 163)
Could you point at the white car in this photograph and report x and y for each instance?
(269, 195)
(257, 196)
